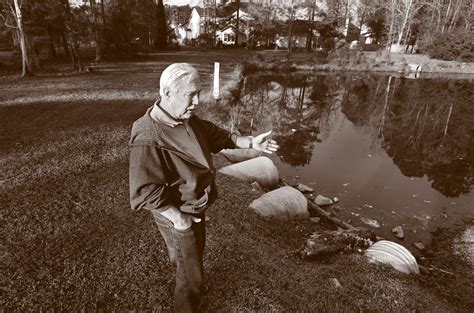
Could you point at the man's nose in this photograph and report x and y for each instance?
(196, 100)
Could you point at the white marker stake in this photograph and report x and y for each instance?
(215, 91)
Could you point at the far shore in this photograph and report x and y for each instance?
(377, 62)
(279, 61)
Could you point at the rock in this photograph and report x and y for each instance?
(392, 253)
(419, 245)
(464, 245)
(315, 220)
(398, 232)
(321, 200)
(335, 282)
(285, 203)
(260, 169)
(303, 188)
(370, 222)
(239, 155)
(335, 199)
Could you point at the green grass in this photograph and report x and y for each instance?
(70, 241)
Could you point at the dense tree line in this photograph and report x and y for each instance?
(115, 27)
(120, 27)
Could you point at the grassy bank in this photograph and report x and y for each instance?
(348, 60)
(70, 241)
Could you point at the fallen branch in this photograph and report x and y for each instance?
(313, 206)
(441, 270)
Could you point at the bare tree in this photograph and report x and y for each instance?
(15, 9)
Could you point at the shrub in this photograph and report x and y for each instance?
(451, 46)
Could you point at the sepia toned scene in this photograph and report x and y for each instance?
(237, 156)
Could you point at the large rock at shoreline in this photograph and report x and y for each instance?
(285, 202)
(260, 169)
(464, 245)
(240, 155)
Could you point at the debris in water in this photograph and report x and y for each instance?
(419, 245)
(335, 199)
(321, 200)
(303, 188)
(398, 232)
(346, 184)
(315, 220)
(427, 201)
(370, 222)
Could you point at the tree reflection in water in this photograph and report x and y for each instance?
(424, 125)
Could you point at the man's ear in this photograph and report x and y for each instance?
(166, 92)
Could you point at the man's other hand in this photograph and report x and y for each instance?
(180, 220)
(185, 221)
(265, 144)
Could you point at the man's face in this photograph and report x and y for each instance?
(184, 98)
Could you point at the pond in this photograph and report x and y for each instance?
(393, 149)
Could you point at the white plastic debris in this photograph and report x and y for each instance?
(392, 253)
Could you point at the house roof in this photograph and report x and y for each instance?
(199, 10)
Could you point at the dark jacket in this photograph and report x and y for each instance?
(163, 175)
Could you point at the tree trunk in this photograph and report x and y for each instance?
(97, 35)
(392, 21)
(71, 36)
(25, 61)
(409, 4)
(161, 30)
(237, 24)
(290, 30)
(64, 42)
(455, 14)
(51, 38)
(446, 17)
(309, 37)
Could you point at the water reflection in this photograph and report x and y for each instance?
(425, 126)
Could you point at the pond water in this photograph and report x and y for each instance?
(397, 150)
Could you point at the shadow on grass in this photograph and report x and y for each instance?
(37, 123)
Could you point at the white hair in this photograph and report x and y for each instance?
(174, 74)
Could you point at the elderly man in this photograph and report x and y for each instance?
(172, 175)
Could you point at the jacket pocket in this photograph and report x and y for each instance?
(197, 206)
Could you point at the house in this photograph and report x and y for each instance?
(195, 23)
(78, 3)
(227, 36)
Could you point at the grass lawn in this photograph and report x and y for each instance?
(70, 241)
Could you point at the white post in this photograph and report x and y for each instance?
(215, 91)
